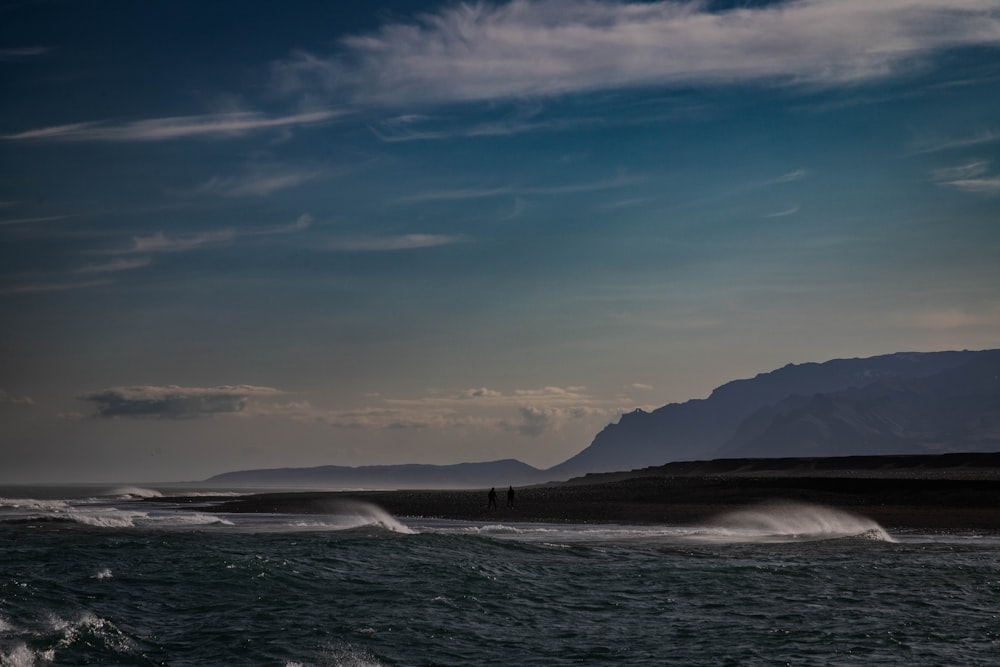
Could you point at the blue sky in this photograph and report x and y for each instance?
(238, 235)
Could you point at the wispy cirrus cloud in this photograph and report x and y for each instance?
(783, 213)
(981, 186)
(23, 52)
(160, 242)
(174, 402)
(619, 181)
(223, 125)
(116, 265)
(396, 242)
(258, 183)
(31, 221)
(982, 137)
(523, 49)
(33, 288)
(6, 398)
(972, 177)
(963, 171)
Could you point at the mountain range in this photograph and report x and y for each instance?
(903, 403)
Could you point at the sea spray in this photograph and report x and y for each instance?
(794, 520)
(347, 514)
(134, 492)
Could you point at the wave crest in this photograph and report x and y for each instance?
(793, 520)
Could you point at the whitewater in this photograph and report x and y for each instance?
(102, 576)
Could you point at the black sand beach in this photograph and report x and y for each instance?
(948, 492)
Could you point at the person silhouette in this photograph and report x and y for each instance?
(492, 499)
(510, 496)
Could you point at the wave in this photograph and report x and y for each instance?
(54, 635)
(33, 504)
(31, 513)
(351, 514)
(133, 492)
(777, 521)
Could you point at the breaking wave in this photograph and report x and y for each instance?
(793, 521)
(350, 514)
(134, 492)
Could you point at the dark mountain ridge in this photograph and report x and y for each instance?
(957, 409)
(702, 428)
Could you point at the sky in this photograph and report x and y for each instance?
(244, 235)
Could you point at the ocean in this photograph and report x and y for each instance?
(99, 577)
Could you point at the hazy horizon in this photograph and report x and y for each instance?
(243, 236)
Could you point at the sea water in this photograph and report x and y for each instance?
(99, 577)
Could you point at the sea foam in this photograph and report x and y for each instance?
(348, 514)
(792, 520)
(134, 492)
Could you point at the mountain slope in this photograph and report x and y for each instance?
(955, 410)
(700, 428)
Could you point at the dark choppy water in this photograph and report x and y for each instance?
(107, 580)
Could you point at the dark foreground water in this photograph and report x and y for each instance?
(107, 580)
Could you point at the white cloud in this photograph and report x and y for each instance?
(225, 125)
(173, 402)
(260, 183)
(117, 265)
(523, 49)
(23, 52)
(52, 287)
(10, 399)
(981, 186)
(31, 221)
(792, 210)
(620, 180)
(160, 242)
(961, 171)
(398, 242)
(301, 223)
(978, 139)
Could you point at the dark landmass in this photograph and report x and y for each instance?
(908, 402)
(416, 476)
(947, 492)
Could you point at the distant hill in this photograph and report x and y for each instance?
(843, 406)
(408, 476)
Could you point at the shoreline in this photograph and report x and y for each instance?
(894, 502)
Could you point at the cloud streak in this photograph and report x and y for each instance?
(7, 398)
(397, 242)
(522, 49)
(116, 265)
(226, 125)
(35, 288)
(160, 242)
(173, 402)
(257, 184)
(972, 177)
